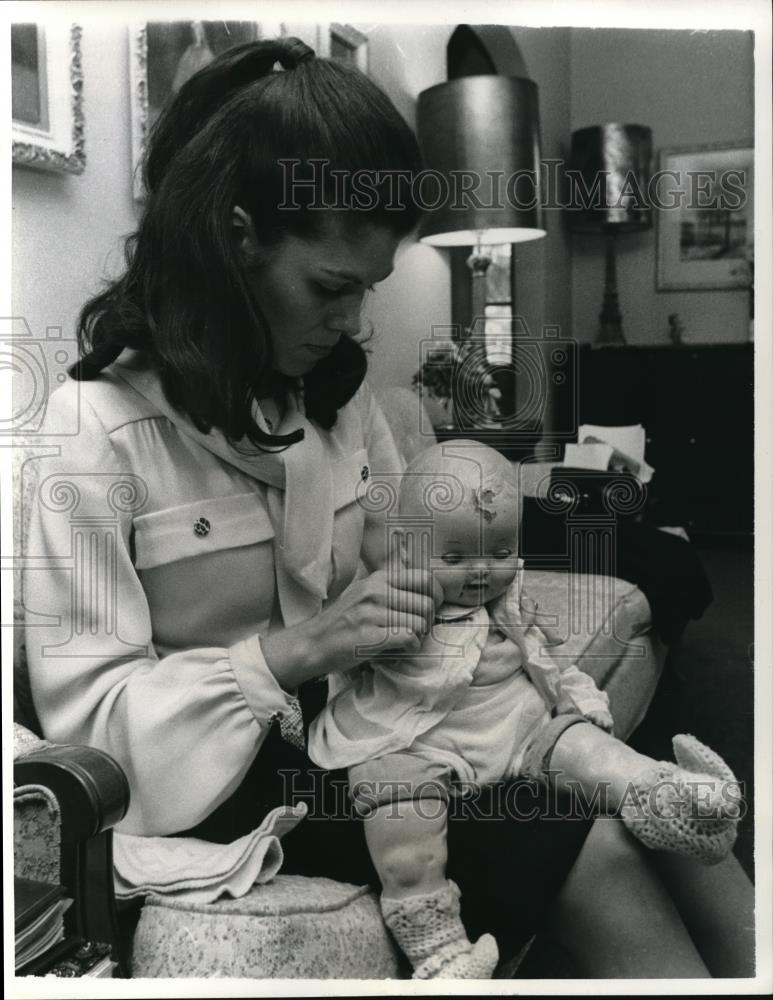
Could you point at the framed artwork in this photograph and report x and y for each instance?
(345, 43)
(705, 217)
(163, 55)
(47, 125)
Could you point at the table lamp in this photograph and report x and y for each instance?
(613, 163)
(481, 130)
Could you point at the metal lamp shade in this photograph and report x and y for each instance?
(614, 164)
(485, 127)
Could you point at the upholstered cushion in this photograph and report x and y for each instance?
(36, 834)
(605, 624)
(290, 928)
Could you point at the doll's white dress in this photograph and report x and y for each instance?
(481, 686)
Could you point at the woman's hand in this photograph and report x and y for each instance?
(389, 613)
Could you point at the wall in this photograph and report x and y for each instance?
(544, 267)
(406, 60)
(67, 229)
(690, 87)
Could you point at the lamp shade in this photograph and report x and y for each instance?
(480, 136)
(610, 174)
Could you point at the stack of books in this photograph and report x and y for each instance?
(43, 946)
(39, 924)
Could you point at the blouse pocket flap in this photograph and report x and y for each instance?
(193, 529)
(350, 476)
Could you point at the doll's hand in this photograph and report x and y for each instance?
(601, 719)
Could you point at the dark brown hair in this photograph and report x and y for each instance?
(183, 299)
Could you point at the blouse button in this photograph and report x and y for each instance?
(201, 527)
(365, 472)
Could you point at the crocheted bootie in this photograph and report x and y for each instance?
(691, 809)
(430, 932)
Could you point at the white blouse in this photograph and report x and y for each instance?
(158, 555)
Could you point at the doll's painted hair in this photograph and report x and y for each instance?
(458, 475)
(183, 299)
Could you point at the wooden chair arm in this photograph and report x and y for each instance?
(93, 795)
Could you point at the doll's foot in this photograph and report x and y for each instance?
(430, 932)
(691, 807)
(461, 960)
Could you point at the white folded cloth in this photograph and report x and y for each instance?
(200, 871)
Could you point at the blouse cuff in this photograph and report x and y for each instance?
(267, 700)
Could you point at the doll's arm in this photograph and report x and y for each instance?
(578, 693)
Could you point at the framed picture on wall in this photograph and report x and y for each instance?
(47, 125)
(163, 55)
(705, 217)
(345, 43)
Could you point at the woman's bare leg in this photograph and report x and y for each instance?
(716, 905)
(615, 917)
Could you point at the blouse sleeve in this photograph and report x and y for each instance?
(386, 466)
(184, 727)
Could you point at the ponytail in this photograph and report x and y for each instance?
(184, 300)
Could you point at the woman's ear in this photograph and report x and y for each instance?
(244, 236)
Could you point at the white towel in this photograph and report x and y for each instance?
(198, 870)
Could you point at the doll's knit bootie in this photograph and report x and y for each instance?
(430, 932)
(691, 807)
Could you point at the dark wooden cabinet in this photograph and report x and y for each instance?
(696, 404)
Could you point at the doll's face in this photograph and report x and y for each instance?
(474, 554)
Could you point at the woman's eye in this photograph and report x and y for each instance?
(333, 292)
(504, 554)
(452, 558)
(327, 290)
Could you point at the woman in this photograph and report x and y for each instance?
(224, 432)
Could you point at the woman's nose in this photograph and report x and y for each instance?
(345, 316)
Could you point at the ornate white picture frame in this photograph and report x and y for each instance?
(47, 124)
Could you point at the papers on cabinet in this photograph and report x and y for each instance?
(615, 449)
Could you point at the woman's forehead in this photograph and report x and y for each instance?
(351, 247)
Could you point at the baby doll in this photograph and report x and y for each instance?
(482, 701)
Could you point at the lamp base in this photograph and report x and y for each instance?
(610, 317)
(610, 332)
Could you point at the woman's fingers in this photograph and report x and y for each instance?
(416, 581)
(405, 636)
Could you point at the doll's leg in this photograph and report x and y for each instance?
(407, 841)
(419, 904)
(690, 809)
